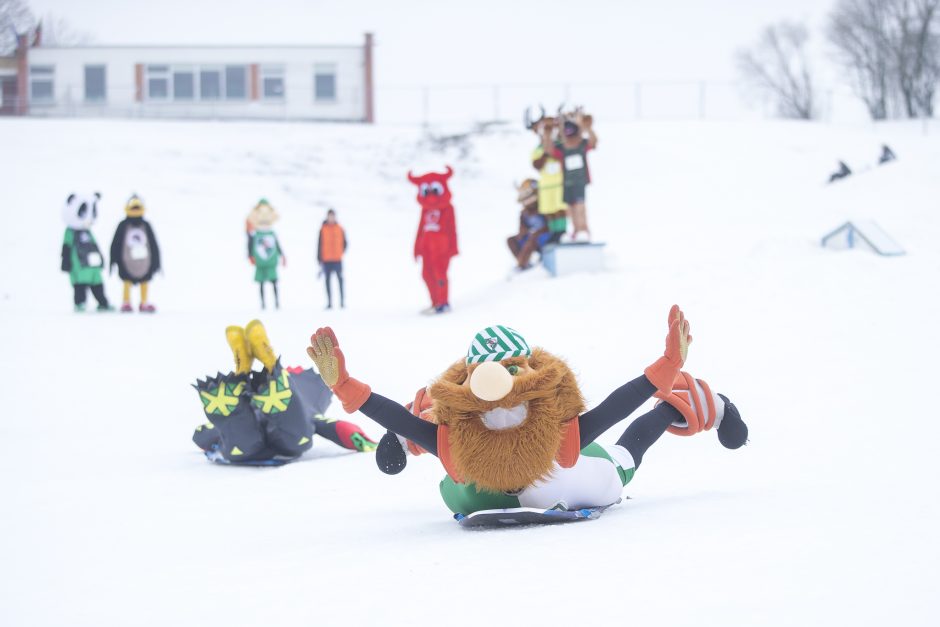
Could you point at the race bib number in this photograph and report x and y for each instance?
(139, 253)
(94, 260)
(574, 162)
(552, 167)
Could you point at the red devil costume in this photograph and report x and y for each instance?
(436, 241)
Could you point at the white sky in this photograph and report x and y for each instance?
(468, 41)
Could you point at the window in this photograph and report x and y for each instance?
(206, 83)
(210, 84)
(95, 83)
(41, 83)
(324, 82)
(236, 82)
(158, 82)
(184, 83)
(272, 82)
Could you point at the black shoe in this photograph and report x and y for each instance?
(390, 457)
(732, 432)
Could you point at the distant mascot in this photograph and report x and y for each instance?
(264, 249)
(436, 241)
(81, 257)
(135, 252)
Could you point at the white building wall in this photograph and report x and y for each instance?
(299, 64)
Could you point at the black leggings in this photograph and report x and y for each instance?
(643, 432)
(81, 293)
(277, 301)
(330, 268)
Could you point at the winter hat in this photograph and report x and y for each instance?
(497, 343)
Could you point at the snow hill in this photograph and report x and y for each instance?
(828, 517)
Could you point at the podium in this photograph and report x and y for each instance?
(561, 259)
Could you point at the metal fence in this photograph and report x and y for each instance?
(466, 104)
(651, 100)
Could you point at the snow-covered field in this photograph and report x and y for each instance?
(111, 516)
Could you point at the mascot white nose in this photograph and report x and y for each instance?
(490, 381)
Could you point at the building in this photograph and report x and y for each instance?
(217, 82)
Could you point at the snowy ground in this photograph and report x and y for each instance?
(112, 517)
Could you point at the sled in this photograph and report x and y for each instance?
(515, 516)
(213, 455)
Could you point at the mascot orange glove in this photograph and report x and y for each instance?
(331, 363)
(662, 373)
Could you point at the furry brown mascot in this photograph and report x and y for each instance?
(508, 422)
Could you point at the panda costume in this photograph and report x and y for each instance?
(81, 257)
(135, 252)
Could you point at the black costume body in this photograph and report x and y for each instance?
(265, 415)
(134, 250)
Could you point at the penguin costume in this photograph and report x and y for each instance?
(81, 257)
(135, 252)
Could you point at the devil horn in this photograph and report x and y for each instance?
(449, 173)
(412, 178)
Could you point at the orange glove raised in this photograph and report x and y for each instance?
(664, 370)
(331, 363)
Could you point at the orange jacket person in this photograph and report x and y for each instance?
(330, 251)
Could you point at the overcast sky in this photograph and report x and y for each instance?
(468, 41)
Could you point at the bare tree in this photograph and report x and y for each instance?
(776, 67)
(913, 37)
(57, 31)
(15, 19)
(858, 31)
(890, 48)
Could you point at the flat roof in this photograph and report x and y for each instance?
(193, 46)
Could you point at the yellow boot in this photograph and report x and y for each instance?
(260, 344)
(241, 351)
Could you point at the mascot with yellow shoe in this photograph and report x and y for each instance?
(509, 425)
(266, 417)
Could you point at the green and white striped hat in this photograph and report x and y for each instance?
(497, 343)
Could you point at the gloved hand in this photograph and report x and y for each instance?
(331, 363)
(662, 373)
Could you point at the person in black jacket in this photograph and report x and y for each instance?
(135, 252)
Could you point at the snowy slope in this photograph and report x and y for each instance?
(112, 517)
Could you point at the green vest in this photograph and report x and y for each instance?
(265, 249)
(85, 257)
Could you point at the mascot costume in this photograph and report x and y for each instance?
(551, 178)
(264, 249)
(577, 138)
(509, 424)
(135, 252)
(436, 241)
(266, 418)
(81, 257)
(533, 226)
